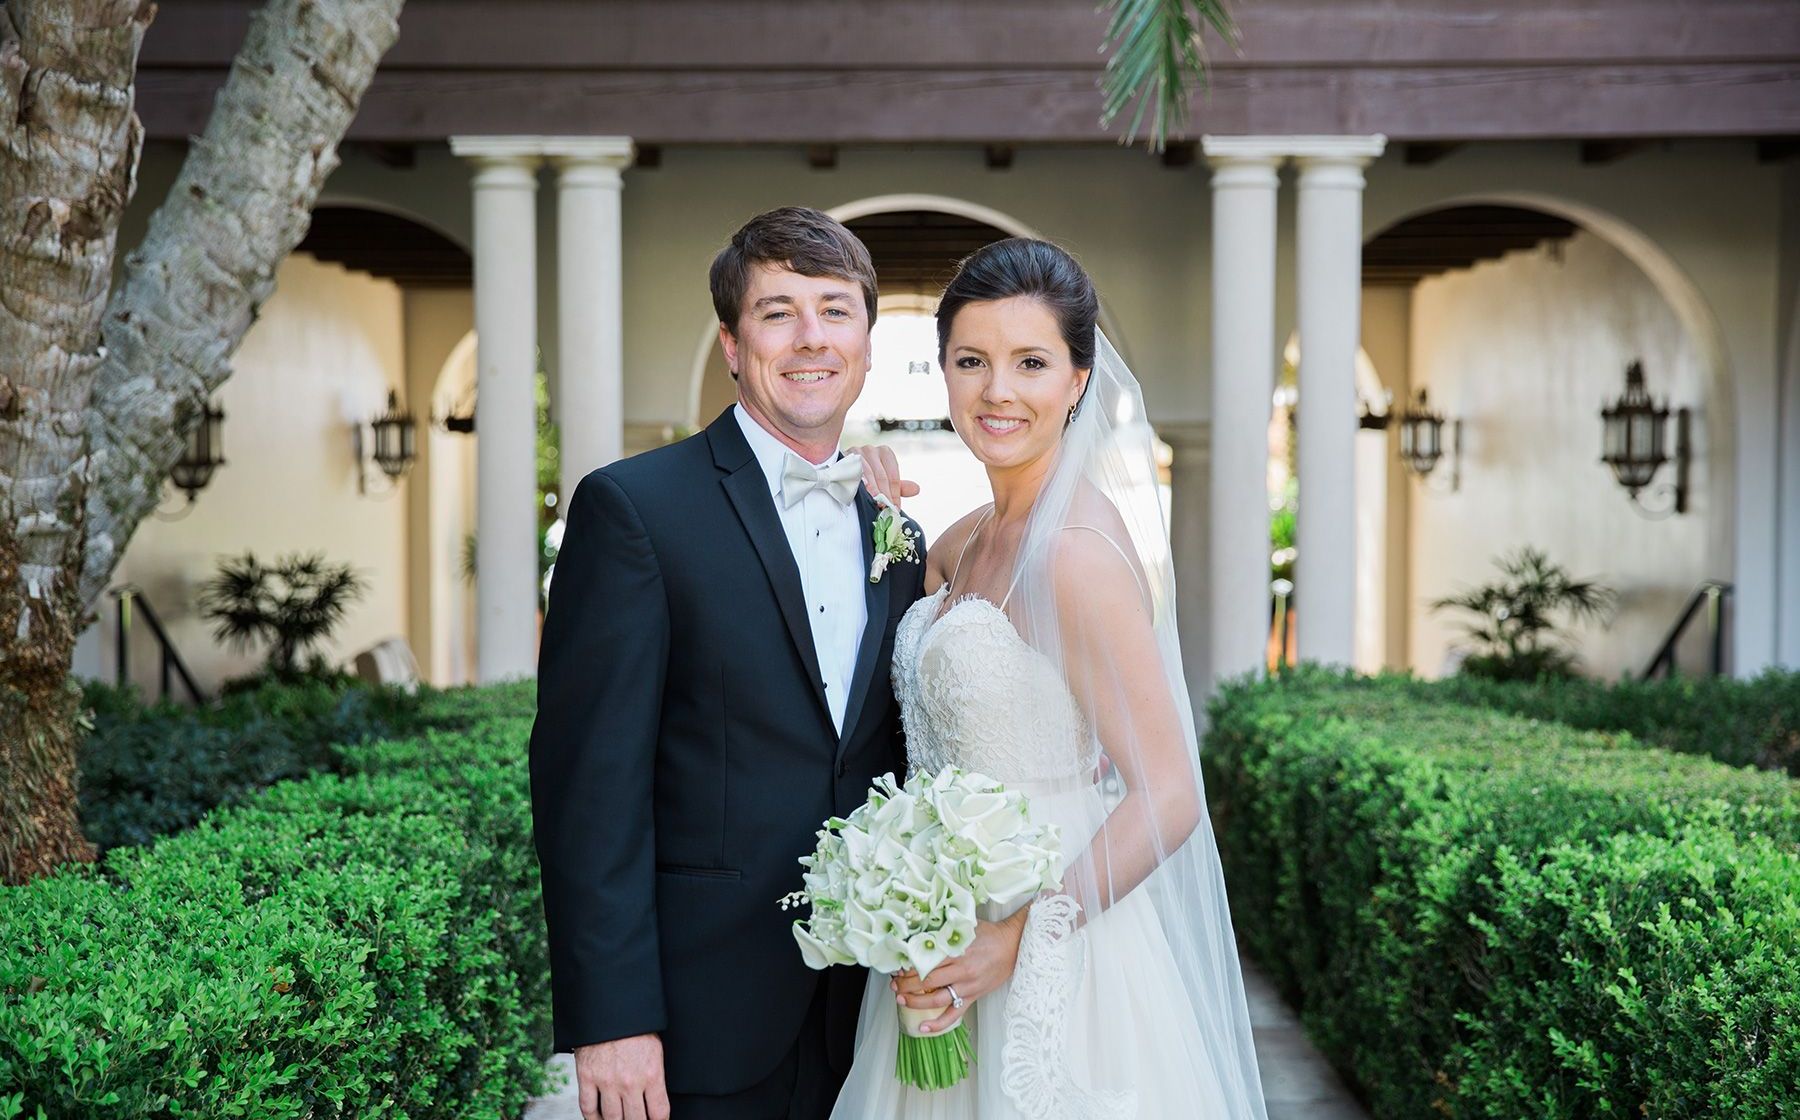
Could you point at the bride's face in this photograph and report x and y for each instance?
(1011, 380)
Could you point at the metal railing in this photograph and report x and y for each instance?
(129, 595)
(1712, 594)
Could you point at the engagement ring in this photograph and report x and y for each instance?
(956, 1001)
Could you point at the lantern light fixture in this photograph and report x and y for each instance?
(1422, 441)
(396, 443)
(203, 455)
(1634, 444)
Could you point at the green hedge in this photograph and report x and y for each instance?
(366, 944)
(1480, 915)
(1752, 722)
(151, 769)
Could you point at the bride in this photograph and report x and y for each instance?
(1044, 655)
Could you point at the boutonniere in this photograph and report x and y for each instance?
(895, 540)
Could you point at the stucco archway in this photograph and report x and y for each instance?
(1497, 328)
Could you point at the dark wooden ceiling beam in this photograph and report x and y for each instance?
(1597, 153)
(1426, 154)
(1179, 153)
(1454, 238)
(822, 157)
(1774, 149)
(999, 157)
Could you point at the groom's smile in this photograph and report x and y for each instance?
(800, 352)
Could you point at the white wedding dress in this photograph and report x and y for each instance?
(1095, 1022)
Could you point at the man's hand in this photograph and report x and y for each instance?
(622, 1079)
(881, 473)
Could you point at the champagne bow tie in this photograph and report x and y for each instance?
(839, 479)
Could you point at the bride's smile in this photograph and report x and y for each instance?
(1011, 380)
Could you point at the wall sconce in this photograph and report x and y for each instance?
(395, 444)
(461, 417)
(203, 454)
(1422, 442)
(1367, 419)
(1633, 444)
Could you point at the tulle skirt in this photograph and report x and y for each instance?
(1129, 1033)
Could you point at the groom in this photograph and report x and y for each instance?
(712, 685)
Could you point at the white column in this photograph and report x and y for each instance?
(1788, 548)
(1330, 308)
(1188, 474)
(1244, 183)
(506, 583)
(589, 254)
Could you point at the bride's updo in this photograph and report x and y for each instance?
(1022, 266)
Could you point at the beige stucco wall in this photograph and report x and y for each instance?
(1526, 350)
(321, 356)
(1387, 340)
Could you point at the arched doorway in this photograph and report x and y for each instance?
(1520, 316)
(434, 272)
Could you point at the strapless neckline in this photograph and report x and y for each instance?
(974, 692)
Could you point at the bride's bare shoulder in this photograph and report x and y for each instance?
(941, 559)
(1095, 560)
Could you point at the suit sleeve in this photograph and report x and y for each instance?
(602, 663)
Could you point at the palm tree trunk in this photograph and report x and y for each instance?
(68, 158)
(242, 202)
(88, 432)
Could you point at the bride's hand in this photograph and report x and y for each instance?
(881, 474)
(987, 964)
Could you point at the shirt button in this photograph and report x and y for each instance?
(821, 608)
(818, 532)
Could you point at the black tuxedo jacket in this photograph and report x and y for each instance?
(683, 757)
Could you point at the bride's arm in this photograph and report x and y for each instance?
(1117, 675)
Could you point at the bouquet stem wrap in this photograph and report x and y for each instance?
(931, 1061)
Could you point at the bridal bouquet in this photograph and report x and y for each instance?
(896, 884)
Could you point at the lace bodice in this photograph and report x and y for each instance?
(974, 693)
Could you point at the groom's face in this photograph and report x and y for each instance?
(801, 351)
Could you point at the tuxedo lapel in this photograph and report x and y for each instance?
(876, 596)
(748, 490)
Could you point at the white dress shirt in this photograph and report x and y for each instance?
(826, 541)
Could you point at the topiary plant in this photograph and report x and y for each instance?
(292, 605)
(1512, 622)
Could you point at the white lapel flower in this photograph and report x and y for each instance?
(895, 540)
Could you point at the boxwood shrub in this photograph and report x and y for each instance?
(357, 944)
(1482, 915)
(1754, 722)
(151, 769)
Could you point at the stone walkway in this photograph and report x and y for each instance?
(1297, 1081)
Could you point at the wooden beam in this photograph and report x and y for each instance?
(399, 156)
(1179, 153)
(1774, 149)
(999, 156)
(821, 157)
(945, 104)
(1597, 153)
(647, 156)
(1426, 154)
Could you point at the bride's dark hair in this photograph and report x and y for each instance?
(1023, 266)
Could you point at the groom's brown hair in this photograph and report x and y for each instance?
(800, 238)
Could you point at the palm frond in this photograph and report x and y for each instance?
(1158, 60)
